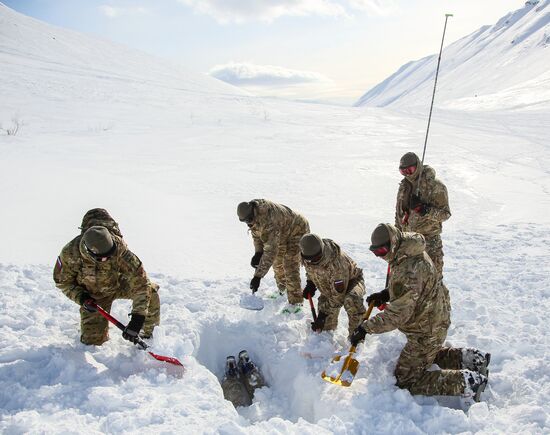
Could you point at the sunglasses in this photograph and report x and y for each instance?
(312, 259)
(380, 251)
(101, 257)
(409, 170)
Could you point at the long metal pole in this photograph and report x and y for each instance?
(435, 85)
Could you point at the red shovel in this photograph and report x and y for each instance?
(142, 345)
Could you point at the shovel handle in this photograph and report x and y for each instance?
(115, 322)
(313, 313)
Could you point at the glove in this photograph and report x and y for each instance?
(256, 259)
(418, 206)
(357, 336)
(379, 298)
(255, 283)
(131, 331)
(318, 325)
(309, 289)
(85, 300)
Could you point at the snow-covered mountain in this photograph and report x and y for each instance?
(170, 154)
(503, 66)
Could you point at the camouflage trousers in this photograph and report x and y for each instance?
(286, 266)
(434, 248)
(235, 391)
(415, 368)
(94, 328)
(352, 303)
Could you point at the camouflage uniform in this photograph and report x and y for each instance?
(120, 277)
(276, 231)
(433, 193)
(340, 283)
(420, 308)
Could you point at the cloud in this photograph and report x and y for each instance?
(247, 74)
(374, 7)
(115, 12)
(239, 11)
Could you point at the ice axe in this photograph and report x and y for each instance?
(344, 376)
(139, 342)
(313, 313)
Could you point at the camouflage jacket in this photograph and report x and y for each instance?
(76, 272)
(419, 302)
(273, 225)
(336, 274)
(433, 193)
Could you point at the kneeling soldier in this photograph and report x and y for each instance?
(419, 307)
(338, 279)
(97, 266)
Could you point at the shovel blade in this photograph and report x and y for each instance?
(341, 371)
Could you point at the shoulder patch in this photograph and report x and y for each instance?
(58, 264)
(132, 260)
(339, 285)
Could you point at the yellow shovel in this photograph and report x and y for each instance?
(343, 374)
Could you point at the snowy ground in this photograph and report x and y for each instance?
(171, 157)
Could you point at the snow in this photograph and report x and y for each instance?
(170, 155)
(504, 66)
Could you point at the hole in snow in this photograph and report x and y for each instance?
(294, 381)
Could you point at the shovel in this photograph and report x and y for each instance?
(343, 373)
(139, 342)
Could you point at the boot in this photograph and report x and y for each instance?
(252, 377)
(475, 384)
(233, 388)
(473, 359)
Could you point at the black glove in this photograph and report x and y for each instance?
(255, 283)
(131, 331)
(256, 259)
(418, 206)
(84, 301)
(318, 325)
(357, 336)
(309, 289)
(379, 298)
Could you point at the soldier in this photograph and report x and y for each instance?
(422, 205)
(338, 279)
(97, 266)
(276, 232)
(419, 307)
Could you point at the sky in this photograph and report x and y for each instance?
(315, 50)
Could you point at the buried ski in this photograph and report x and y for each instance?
(139, 342)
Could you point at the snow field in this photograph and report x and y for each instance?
(50, 378)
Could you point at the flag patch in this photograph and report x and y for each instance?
(59, 264)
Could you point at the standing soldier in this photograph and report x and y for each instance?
(97, 266)
(419, 307)
(276, 231)
(422, 205)
(338, 279)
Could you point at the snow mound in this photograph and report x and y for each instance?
(504, 66)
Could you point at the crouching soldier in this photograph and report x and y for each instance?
(419, 307)
(276, 232)
(338, 279)
(97, 266)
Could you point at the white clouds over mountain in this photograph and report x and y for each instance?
(247, 74)
(225, 11)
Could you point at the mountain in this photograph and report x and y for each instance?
(503, 66)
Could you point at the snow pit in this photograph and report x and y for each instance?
(277, 349)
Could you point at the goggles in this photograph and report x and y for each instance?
(312, 259)
(409, 170)
(380, 251)
(101, 257)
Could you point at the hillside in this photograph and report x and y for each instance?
(503, 66)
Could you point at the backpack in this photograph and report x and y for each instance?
(101, 217)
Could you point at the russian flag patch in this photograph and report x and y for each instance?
(59, 264)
